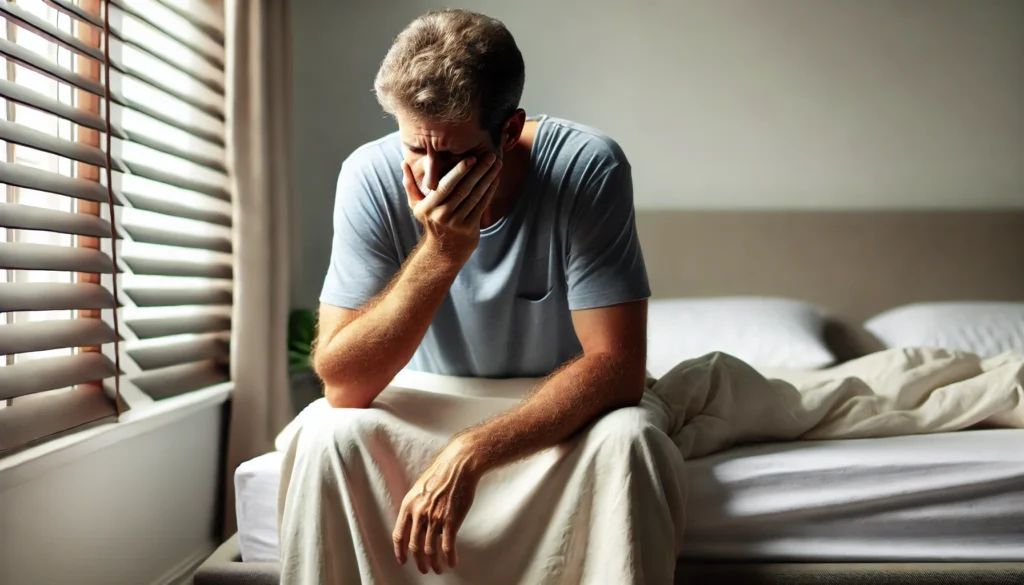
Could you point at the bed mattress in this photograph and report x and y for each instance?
(942, 497)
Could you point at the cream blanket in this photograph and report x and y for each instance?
(606, 507)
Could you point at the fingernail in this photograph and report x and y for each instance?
(490, 157)
(471, 161)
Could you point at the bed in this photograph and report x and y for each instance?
(951, 507)
(946, 497)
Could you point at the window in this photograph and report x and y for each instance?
(158, 240)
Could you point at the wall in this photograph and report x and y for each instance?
(136, 512)
(725, 104)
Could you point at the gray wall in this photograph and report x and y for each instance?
(724, 104)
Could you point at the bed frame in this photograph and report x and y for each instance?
(853, 264)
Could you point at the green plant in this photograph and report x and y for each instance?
(301, 329)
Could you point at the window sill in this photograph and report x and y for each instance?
(40, 459)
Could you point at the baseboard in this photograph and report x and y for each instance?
(181, 574)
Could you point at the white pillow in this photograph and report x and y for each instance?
(762, 331)
(983, 328)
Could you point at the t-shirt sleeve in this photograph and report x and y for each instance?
(363, 254)
(605, 265)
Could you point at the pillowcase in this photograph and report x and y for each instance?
(983, 328)
(765, 332)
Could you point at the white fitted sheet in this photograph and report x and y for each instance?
(950, 496)
(256, 484)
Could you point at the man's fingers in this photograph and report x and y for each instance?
(435, 198)
(476, 216)
(433, 549)
(401, 535)
(470, 203)
(469, 183)
(447, 184)
(455, 177)
(448, 544)
(412, 190)
(419, 529)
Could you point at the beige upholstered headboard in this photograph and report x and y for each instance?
(854, 264)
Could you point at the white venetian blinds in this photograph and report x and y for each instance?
(156, 237)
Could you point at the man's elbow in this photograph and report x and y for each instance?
(635, 388)
(632, 379)
(341, 397)
(344, 391)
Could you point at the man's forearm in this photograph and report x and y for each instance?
(361, 357)
(571, 398)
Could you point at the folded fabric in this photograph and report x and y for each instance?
(718, 401)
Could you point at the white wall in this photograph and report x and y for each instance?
(769, 104)
(132, 513)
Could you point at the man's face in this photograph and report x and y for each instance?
(433, 149)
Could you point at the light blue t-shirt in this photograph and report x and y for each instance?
(568, 242)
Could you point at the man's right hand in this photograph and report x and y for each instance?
(451, 214)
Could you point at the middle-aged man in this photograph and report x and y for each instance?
(478, 243)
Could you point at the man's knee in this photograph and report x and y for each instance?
(341, 431)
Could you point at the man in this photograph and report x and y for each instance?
(476, 242)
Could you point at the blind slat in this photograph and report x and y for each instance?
(69, 7)
(151, 235)
(176, 297)
(32, 138)
(117, 31)
(215, 110)
(55, 334)
(175, 380)
(173, 354)
(22, 256)
(54, 296)
(40, 417)
(179, 181)
(164, 326)
(40, 180)
(33, 376)
(192, 155)
(28, 217)
(178, 209)
(201, 16)
(73, 43)
(194, 128)
(45, 66)
(210, 76)
(51, 69)
(162, 267)
(49, 30)
(23, 95)
(191, 16)
(73, 9)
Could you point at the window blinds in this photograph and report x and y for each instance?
(156, 237)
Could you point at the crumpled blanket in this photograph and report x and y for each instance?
(607, 506)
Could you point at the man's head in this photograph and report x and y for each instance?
(453, 80)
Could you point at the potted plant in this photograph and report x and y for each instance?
(305, 386)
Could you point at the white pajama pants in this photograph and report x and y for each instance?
(606, 507)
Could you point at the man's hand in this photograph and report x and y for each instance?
(434, 509)
(451, 214)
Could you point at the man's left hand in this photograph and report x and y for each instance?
(435, 508)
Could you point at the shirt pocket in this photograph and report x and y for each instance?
(531, 298)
